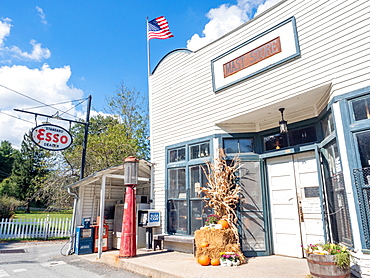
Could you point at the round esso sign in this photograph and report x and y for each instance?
(51, 137)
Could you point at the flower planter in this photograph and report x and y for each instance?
(323, 266)
(229, 263)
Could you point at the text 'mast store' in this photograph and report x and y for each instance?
(304, 62)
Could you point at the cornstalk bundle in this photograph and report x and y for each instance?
(222, 192)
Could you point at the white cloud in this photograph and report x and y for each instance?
(4, 29)
(42, 15)
(44, 84)
(265, 6)
(38, 53)
(8, 53)
(226, 18)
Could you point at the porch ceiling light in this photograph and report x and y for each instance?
(283, 123)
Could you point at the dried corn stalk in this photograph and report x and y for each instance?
(222, 192)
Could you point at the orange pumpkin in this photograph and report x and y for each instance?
(204, 244)
(215, 262)
(204, 260)
(223, 223)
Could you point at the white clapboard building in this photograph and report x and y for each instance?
(304, 62)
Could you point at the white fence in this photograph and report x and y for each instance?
(35, 228)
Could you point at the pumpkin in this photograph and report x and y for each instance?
(215, 262)
(204, 244)
(204, 260)
(224, 223)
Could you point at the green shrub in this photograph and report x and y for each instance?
(8, 206)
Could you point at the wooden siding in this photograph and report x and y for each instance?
(90, 199)
(334, 44)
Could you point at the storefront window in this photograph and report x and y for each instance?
(361, 108)
(236, 145)
(186, 212)
(199, 150)
(177, 185)
(177, 155)
(177, 216)
(293, 137)
(336, 198)
(198, 214)
(363, 141)
(253, 222)
(328, 125)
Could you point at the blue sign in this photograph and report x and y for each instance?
(154, 218)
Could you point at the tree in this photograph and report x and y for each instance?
(111, 138)
(133, 112)
(7, 153)
(29, 171)
(7, 206)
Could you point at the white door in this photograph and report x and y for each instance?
(295, 203)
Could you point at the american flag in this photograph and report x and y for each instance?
(158, 29)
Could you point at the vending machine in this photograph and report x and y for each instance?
(84, 238)
(105, 237)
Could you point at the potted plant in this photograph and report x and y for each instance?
(212, 219)
(330, 259)
(229, 259)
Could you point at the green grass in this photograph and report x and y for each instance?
(42, 214)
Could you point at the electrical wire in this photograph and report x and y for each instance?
(84, 99)
(15, 117)
(45, 105)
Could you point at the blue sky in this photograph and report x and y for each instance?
(56, 51)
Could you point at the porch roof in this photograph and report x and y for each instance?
(115, 174)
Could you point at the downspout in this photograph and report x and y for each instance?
(72, 236)
(151, 194)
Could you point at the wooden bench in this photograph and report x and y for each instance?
(159, 239)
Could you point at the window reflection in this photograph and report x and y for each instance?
(363, 141)
(199, 150)
(237, 145)
(328, 125)
(361, 108)
(292, 138)
(177, 155)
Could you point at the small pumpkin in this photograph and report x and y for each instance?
(215, 262)
(224, 223)
(204, 244)
(204, 260)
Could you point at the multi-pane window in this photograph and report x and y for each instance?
(291, 138)
(177, 188)
(327, 125)
(361, 108)
(363, 142)
(185, 177)
(238, 145)
(199, 150)
(176, 155)
(336, 197)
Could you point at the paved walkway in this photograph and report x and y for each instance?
(166, 264)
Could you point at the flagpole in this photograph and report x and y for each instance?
(148, 46)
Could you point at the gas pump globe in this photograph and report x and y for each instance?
(131, 168)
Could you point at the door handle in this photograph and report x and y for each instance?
(301, 218)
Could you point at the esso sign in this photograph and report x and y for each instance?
(51, 137)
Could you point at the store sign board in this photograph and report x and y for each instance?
(252, 57)
(311, 206)
(257, 55)
(51, 137)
